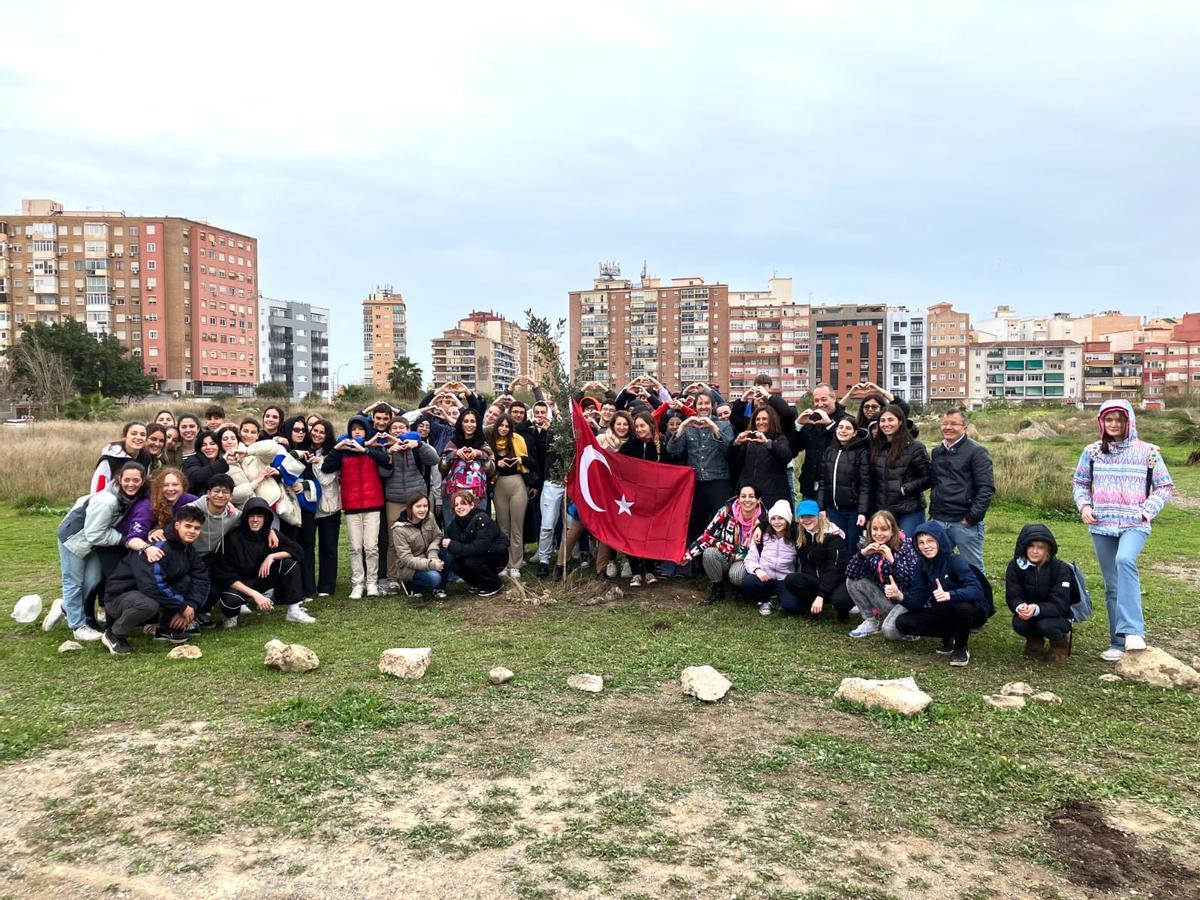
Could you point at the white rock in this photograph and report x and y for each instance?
(1048, 698)
(1004, 701)
(593, 684)
(896, 694)
(1110, 677)
(289, 657)
(405, 662)
(68, 646)
(185, 651)
(1017, 689)
(704, 683)
(27, 609)
(1158, 668)
(500, 675)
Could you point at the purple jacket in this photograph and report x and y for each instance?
(140, 521)
(777, 558)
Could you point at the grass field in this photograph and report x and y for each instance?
(153, 777)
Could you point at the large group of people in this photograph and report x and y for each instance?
(195, 521)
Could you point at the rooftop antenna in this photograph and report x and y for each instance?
(610, 269)
(643, 270)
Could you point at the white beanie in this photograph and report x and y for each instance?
(782, 509)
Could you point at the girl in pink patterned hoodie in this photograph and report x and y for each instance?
(1120, 485)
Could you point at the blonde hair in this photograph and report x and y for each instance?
(818, 535)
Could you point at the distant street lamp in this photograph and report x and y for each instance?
(337, 380)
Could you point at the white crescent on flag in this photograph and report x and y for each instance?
(590, 455)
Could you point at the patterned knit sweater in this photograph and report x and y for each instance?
(1114, 483)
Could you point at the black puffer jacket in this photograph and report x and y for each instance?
(846, 476)
(899, 488)
(825, 561)
(640, 449)
(765, 467)
(199, 470)
(1048, 585)
(475, 534)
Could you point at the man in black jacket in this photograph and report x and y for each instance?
(962, 486)
(170, 585)
(246, 567)
(814, 432)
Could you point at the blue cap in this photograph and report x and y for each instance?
(808, 508)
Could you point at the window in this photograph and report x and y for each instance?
(133, 231)
(151, 247)
(151, 264)
(150, 229)
(152, 335)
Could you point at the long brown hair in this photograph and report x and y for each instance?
(649, 420)
(1104, 438)
(899, 442)
(895, 541)
(773, 429)
(163, 508)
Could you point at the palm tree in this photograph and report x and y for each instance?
(1187, 431)
(90, 408)
(405, 378)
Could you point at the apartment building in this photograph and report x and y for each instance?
(1021, 371)
(948, 336)
(1170, 371)
(904, 354)
(182, 295)
(1007, 325)
(385, 334)
(678, 331)
(769, 334)
(848, 344)
(293, 346)
(1110, 374)
(486, 352)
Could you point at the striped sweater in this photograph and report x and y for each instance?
(1114, 483)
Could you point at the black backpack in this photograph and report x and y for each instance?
(987, 590)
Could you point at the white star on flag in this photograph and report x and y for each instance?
(623, 506)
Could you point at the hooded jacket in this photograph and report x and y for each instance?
(408, 475)
(111, 460)
(899, 488)
(93, 520)
(278, 496)
(947, 567)
(213, 532)
(1114, 483)
(243, 551)
(362, 473)
(177, 580)
(199, 470)
(417, 545)
(475, 534)
(845, 476)
(776, 556)
(1047, 586)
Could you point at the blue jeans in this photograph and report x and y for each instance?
(427, 580)
(1122, 585)
(847, 520)
(756, 591)
(79, 578)
(968, 539)
(908, 522)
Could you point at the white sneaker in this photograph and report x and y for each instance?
(243, 610)
(372, 590)
(1135, 642)
(54, 616)
(611, 570)
(1112, 654)
(650, 579)
(230, 621)
(356, 592)
(86, 633)
(765, 608)
(296, 613)
(635, 581)
(322, 594)
(866, 629)
(626, 569)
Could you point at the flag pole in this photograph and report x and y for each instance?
(566, 560)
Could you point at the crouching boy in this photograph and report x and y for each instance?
(166, 582)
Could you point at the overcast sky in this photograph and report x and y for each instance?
(1040, 154)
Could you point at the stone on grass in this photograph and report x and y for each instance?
(1004, 701)
(185, 651)
(289, 657)
(405, 662)
(1047, 698)
(1110, 677)
(899, 695)
(613, 594)
(1158, 668)
(1017, 689)
(27, 609)
(593, 684)
(68, 646)
(500, 675)
(704, 683)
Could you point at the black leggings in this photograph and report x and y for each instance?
(952, 620)
(1054, 628)
(480, 572)
(283, 576)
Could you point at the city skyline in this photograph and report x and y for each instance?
(876, 155)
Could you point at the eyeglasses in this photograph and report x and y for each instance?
(297, 428)
(220, 492)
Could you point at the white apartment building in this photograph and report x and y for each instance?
(904, 354)
(1025, 371)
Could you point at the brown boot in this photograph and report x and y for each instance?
(1060, 650)
(1035, 647)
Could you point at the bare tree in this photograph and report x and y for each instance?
(43, 380)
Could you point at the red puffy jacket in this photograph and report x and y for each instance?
(362, 488)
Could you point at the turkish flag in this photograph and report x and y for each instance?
(630, 504)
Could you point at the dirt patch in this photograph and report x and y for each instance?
(1102, 857)
(1178, 571)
